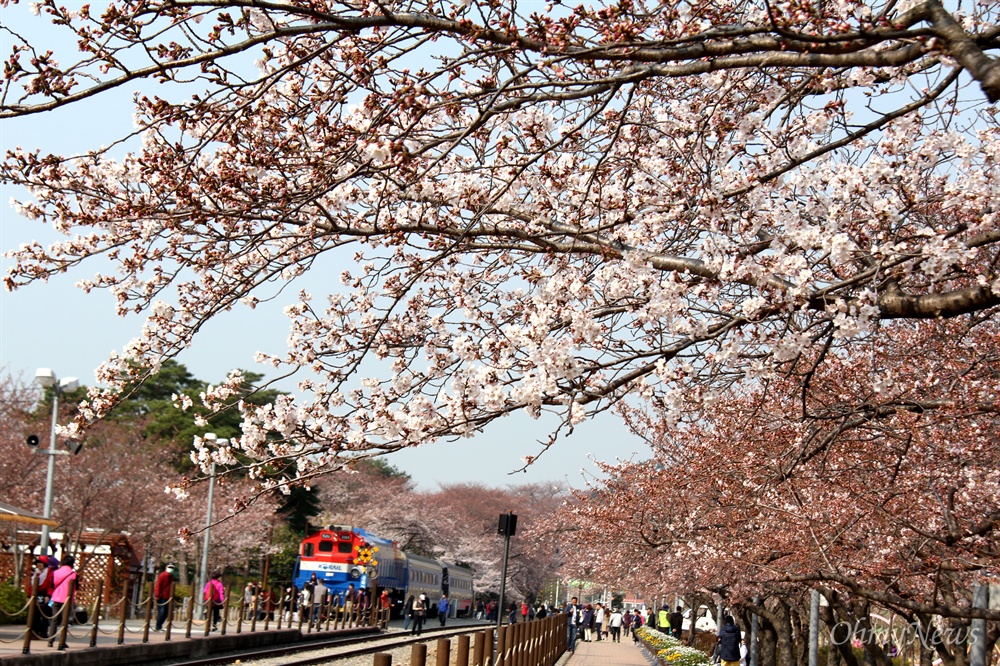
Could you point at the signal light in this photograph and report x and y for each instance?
(74, 446)
(33, 442)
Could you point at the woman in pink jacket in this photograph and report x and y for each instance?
(214, 591)
(62, 579)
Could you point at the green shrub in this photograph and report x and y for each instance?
(13, 604)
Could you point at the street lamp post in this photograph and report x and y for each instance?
(203, 579)
(46, 378)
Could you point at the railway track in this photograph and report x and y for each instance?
(333, 649)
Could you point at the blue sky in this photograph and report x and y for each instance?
(58, 326)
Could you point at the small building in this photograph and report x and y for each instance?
(104, 561)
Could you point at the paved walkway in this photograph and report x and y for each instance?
(606, 653)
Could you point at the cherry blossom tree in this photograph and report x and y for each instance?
(873, 492)
(22, 475)
(547, 211)
(464, 520)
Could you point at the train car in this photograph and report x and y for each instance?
(334, 555)
(337, 556)
(458, 587)
(424, 576)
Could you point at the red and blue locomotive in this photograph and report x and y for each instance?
(341, 555)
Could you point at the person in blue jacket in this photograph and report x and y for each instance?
(443, 607)
(729, 642)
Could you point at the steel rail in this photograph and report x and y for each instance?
(369, 644)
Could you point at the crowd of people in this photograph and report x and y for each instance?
(597, 622)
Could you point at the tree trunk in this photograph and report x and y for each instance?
(828, 619)
(784, 639)
(767, 643)
(184, 577)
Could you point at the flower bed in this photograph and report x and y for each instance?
(670, 651)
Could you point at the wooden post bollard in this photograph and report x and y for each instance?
(443, 652)
(149, 614)
(382, 659)
(121, 624)
(209, 609)
(498, 658)
(239, 616)
(190, 617)
(329, 611)
(225, 610)
(254, 610)
(170, 613)
(488, 657)
(479, 649)
(418, 655)
(301, 611)
(97, 612)
(281, 611)
(526, 633)
(462, 657)
(66, 608)
(515, 641)
(267, 613)
(32, 610)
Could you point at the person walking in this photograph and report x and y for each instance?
(408, 612)
(215, 594)
(615, 621)
(573, 620)
(443, 607)
(419, 613)
(626, 622)
(636, 625)
(598, 619)
(588, 623)
(524, 611)
(63, 577)
(163, 591)
(729, 642)
(676, 622)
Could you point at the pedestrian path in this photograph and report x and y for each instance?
(606, 653)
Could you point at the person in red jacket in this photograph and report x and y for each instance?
(41, 581)
(163, 590)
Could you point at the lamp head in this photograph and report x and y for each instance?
(69, 384)
(45, 377)
(210, 436)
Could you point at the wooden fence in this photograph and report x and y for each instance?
(537, 643)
